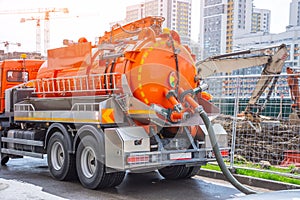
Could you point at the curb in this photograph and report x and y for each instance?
(251, 181)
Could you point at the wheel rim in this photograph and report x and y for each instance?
(57, 156)
(88, 162)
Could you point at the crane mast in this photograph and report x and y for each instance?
(45, 17)
(7, 44)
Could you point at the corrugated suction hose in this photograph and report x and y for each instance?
(216, 149)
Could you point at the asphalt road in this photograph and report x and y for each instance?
(29, 178)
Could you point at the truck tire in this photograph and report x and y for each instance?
(193, 171)
(112, 180)
(174, 172)
(90, 164)
(61, 163)
(4, 160)
(118, 178)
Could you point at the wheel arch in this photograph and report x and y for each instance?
(88, 130)
(61, 128)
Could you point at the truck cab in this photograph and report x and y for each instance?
(15, 72)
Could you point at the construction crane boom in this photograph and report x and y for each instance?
(7, 44)
(46, 18)
(33, 11)
(38, 31)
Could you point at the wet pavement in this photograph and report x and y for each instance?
(29, 178)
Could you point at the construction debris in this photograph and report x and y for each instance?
(268, 144)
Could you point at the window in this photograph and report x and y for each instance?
(17, 76)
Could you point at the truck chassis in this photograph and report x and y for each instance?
(99, 138)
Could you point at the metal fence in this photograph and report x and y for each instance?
(275, 138)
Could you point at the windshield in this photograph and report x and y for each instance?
(17, 76)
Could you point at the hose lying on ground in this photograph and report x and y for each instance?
(219, 158)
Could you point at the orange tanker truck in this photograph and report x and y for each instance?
(132, 102)
(97, 111)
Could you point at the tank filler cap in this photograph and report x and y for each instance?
(82, 40)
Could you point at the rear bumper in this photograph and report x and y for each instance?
(159, 159)
(129, 148)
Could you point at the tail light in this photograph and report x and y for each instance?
(138, 159)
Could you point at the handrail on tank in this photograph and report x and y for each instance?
(24, 107)
(85, 107)
(86, 83)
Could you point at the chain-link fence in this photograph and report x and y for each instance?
(274, 136)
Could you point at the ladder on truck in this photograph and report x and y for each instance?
(106, 83)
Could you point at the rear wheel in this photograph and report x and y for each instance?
(179, 172)
(174, 172)
(4, 159)
(90, 163)
(61, 163)
(193, 171)
(118, 177)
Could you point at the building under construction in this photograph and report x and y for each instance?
(17, 55)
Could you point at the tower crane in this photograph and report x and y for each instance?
(7, 44)
(46, 18)
(38, 32)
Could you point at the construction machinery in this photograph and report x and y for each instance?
(46, 18)
(293, 82)
(38, 32)
(132, 102)
(6, 44)
(271, 58)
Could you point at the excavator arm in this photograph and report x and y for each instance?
(272, 58)
(293, 82)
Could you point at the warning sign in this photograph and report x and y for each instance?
(108, 115)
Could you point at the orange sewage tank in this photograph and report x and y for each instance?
(154, 61)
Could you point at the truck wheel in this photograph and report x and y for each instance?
(193, 171)
(118, 178)
(4, 160)
(112, 180)
(90, 164)
(61, 163)
(174, 172)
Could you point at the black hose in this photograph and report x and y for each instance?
(216, 149)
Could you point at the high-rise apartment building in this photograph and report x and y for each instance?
(241, 11)
(220, 22)
(155, 8)
(213, 23)
(135, 12)
(290, 37)
(295, 13)
(261, 20)
(177, 14)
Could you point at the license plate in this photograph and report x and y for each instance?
(181, 156)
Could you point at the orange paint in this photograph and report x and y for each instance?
(12, 73)
(146, 57)
(107, 116)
